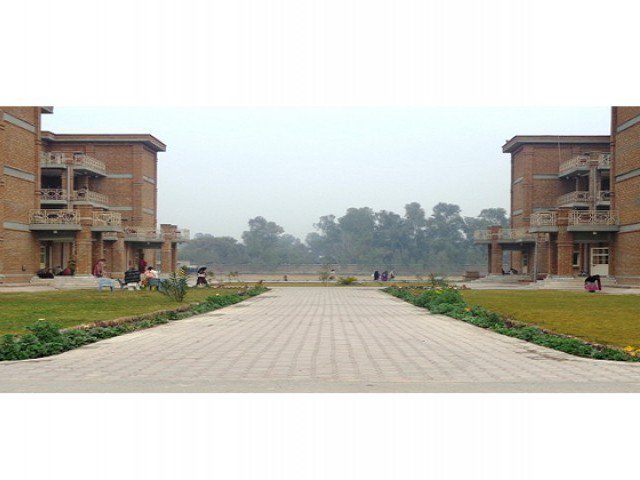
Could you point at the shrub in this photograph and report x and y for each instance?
(175, 287)
(346, 281)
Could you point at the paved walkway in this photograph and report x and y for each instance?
(317, 339)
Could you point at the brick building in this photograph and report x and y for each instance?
(575, 205)
(69, 200)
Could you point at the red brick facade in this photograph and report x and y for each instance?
(575, 204)
(70, 200)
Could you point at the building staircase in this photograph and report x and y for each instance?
(570, 283)
(66, 282)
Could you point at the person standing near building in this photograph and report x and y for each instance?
(142, 264)
(99, 268)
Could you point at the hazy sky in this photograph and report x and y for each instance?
(292, 165)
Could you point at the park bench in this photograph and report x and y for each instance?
(131, 280)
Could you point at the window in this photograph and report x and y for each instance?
(576, 256)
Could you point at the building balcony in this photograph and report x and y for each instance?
(109, 236)
(581, 163)
(574, 199)
(543, 222)
(53, 196)
(506, 235)
(143, 235)
(61, 219)
(593, 221)
(578, 221)
(87, 196)
(603, 198)
(107, 222)
(80, 162)
(179, 236)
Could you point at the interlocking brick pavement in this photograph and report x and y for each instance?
(317, 340)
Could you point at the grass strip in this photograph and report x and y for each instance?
(448, 301)
(47, 338)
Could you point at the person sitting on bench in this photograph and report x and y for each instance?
(151, 278)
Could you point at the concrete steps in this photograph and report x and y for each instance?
(571, 283)
(66, 283)
(503, 279)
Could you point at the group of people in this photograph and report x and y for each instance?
(148, 278)
(512, 271)
(57, 271)
(384, 276)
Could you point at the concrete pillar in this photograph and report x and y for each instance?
(552, 258)
(168, 235)
(495, 267)
(174, 257)
(564, 246)
(118, 256)
(84, 249)
(97, 249)
(594, 183)
(83, 252)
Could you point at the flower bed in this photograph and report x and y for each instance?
(46, 338)
(448, 301)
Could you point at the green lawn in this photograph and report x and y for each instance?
(77, 307)
(606, 319)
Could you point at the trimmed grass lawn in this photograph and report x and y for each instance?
(606, 319)
(77, 307)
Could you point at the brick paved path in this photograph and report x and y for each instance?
(316, 340)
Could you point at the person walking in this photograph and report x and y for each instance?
(201, 277)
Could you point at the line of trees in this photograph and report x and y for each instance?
(442, 241)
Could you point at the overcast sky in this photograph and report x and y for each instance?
(292, 165)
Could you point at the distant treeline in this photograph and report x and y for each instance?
(443, 241)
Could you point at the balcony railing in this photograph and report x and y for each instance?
(593, 217)
(53, 194)
(89, 196)
(62, 159)
(543, 219)
(580, 162)
(142, 234)
(482, 235)
(574, 197)
(54, 217)
(603, 196)
(182, 235)
(514, 234)
(107, 219)
(53, 159)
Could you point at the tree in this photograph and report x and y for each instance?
(261, 240)
(206, 249)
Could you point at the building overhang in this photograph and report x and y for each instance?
(543, 229)
(106, 228)
(144, 243)
(146, 139)
(46, 109)
(593, 228)
(37, 227)
(520, 140)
